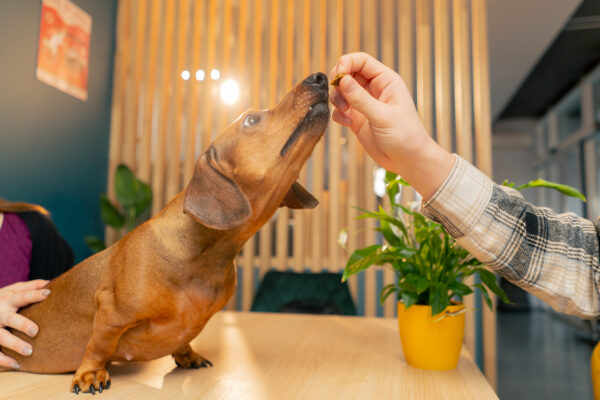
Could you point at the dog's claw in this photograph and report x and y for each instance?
(209, 363)
(195, 365)
(107, 385)
(76, 389)
(92, 390)
(100, 387)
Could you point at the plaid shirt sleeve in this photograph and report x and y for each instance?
(553, 256)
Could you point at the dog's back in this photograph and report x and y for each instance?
(68, 314)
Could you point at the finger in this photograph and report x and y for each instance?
(359, 98)
(341, 119)
(28, 285)
(19, 322)
(336, 98)
(361, 64)
(6, 361)
(12, 342)
(21, 299)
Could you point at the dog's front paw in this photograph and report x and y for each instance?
(90, 381)
(191, 360)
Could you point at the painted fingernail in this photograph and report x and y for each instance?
(15, 365)
(26, 351)
(45, 292)
(32, 331)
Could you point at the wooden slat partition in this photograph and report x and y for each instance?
(464, 131)
(483, 153)
(160, 123)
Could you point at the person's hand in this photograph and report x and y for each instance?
(13, 297)
(373, 101)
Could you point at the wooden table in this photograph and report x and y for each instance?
(277, 356)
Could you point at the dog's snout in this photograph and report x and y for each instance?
(318, 80)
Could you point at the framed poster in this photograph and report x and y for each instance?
(64, 47)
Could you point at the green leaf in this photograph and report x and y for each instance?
(143, 199)
(94, 243)
(125, 186)
(485, 295)
(408, 299)
(388, 234)
(489, 280)
(421, 284)
(460, 289)
(508, 184)
(386, 291)
(110, 214)
(362, 259)
(438, 300)
(564, 189)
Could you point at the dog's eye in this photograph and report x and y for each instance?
(251, 120)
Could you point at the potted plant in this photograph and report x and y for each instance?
(133, 207)
(432, 271)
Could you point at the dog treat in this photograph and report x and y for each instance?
(336, 80)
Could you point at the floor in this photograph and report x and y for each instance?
(542, 357)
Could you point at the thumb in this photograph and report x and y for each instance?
(359, 98)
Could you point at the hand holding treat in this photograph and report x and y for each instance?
(373, 101)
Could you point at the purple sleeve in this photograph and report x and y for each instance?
(15, 250)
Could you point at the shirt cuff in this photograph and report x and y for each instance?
(462, 198)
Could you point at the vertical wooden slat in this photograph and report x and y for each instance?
(352, 32)
(424, 83)
(335, 133)
(462, 104)
(174, 168)
(208, 101)
(150, 86)
(265, 232)
(226, 66)
(483, 152)
(158, 173)
(122, 59)
(283, 213)
(462, 80)
(443, 86)
(190, 148)
(387, 57)
(370, 37)
(248, 280)
(135, 79)
(300, 217)
(406, 43)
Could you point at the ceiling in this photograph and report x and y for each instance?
(520, 32)
(574, 52)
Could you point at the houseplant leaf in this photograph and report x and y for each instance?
(110, 214)
(362, 259)
(126, 186)
(564, 189)
(94, 243)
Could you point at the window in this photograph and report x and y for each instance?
(569, 116)
(571, 174)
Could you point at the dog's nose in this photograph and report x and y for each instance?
(318, 80)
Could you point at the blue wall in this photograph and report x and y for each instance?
(53, 147)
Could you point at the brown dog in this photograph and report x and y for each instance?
(152, 292)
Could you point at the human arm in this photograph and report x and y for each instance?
(553, 256)
(12, 298)
(373, 101)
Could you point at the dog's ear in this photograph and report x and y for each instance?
(298, 197)
(215, 200)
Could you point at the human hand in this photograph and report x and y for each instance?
(373, 101)
(13, 297)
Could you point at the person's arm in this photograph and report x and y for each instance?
(13, 297)
(553, 256)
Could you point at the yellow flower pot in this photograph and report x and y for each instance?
(428, 344)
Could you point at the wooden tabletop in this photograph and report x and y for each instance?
(277, 356)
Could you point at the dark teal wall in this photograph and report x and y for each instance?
(53, 147)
